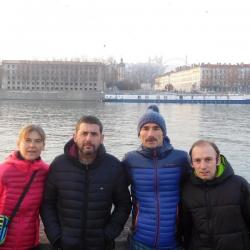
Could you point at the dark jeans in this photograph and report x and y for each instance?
(135, 245)
(43, 246)
(109, 246)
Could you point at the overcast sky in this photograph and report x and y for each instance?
(197, 30)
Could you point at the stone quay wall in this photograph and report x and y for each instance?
(51, 96)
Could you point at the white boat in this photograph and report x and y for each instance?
(178, 98)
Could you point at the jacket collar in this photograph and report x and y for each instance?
(19, 162)
(71, 151)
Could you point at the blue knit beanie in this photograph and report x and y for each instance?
(152, 115)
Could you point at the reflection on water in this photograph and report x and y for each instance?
(227, 125)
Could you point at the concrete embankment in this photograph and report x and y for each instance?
(51, 95)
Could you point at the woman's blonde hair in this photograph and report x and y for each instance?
(29, 128)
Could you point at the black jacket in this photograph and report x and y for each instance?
(216, 214)
(78, 201)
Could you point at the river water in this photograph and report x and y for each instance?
(226, 125)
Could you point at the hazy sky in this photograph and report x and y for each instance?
(199, 30)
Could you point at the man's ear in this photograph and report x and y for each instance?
(191, 163)
(218, 160)
(74, 137)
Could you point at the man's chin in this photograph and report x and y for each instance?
(151, 145)
(89, 152)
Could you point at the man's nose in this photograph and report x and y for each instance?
(203, 164)
(88, 137)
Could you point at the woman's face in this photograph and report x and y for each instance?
(31, 146)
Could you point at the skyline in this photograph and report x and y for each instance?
(179, 31)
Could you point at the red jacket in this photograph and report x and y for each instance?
(23, 232)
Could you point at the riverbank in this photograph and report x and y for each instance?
(141, 96)
(51, 95)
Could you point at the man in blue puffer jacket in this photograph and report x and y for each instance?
(155, 172)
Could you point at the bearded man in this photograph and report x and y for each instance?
(86, 201)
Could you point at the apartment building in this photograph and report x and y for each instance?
(233, 78)
(52, 75)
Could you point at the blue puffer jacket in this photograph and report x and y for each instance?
(155, 176)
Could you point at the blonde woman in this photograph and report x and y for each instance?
(15, 173)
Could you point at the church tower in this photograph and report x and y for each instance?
(121, 71)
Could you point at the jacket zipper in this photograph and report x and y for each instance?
(209, 212)
(157, 198)
(86, 169)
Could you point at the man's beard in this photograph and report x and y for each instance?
(88, 152)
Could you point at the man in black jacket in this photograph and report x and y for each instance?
(215, 203)
(86, 200)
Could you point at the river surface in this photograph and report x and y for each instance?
(227, 125)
